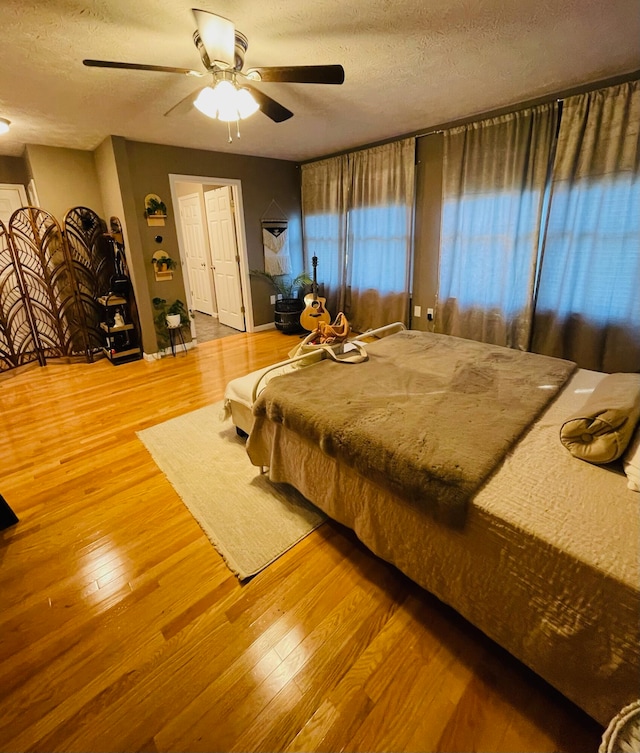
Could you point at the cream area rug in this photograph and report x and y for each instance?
(249, 520)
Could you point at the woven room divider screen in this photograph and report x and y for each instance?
(50, 279)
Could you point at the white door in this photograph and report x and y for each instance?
(224, 252)
(12, 197)
(196, 254)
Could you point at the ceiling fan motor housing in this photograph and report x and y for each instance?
(240, 48)
(241, 44)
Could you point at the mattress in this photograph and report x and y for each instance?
(547, 564)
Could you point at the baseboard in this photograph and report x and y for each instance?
(263, 327)
(164, 352)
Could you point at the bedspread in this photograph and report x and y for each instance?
(428, 416)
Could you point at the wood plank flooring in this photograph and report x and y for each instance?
(121, 629)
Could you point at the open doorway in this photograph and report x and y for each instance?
(212, 242)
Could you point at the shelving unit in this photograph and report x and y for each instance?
(121, 341)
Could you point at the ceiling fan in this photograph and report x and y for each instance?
(231, 94)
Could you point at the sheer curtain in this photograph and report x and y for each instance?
(324, 212)
(358, 220)
(380, 225)
(495, 172)
(588, 306)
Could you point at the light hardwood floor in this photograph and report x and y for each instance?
(121, 629)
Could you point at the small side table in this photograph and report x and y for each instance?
(175, 337)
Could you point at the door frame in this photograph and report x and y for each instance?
(241, 238)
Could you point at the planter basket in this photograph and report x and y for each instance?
(287, 315)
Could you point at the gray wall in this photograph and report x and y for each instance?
(427, 227)
(64, 178)
(14, 170)
(144, 168)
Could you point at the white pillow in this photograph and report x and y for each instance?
(631, 462)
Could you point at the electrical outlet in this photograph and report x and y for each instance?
(417, 311)
(273, 300)
(430, 314)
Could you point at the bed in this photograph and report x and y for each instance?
(241, 393)
(540, 551)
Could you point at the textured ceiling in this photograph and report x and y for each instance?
(409, 65)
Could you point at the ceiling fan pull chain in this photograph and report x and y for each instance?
(238, 127)
(229, 131)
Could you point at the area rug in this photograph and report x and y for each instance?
(249, 520)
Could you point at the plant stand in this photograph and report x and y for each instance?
(175, 337)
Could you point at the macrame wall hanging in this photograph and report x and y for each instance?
(275, 240)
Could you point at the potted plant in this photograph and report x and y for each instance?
(174, 315)
(164, 263)
(155, 207)
(284, 285)
(288, 305)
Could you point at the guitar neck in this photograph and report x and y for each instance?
(314, 261)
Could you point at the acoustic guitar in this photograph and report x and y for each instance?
(315, 307)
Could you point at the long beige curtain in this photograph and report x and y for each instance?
(494, 178)
(324, 211)
(358, 221)
(380, 225)
(588, 306)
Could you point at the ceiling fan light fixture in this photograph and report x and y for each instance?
(206, 102)
(225, 102)
(226, 99)
(4, 126)
(222, 51)
(246, 104)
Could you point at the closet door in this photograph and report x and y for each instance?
(224, 252)
(12, 197)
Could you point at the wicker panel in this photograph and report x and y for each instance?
(49, 282)
(93, 266)
(18, 340)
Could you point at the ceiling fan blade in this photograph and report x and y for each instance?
(217, 35)
(140, 67)
(185, 105)
(269, 107)
(300, 74)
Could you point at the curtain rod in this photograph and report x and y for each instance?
(442, 127)
(546, 99)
